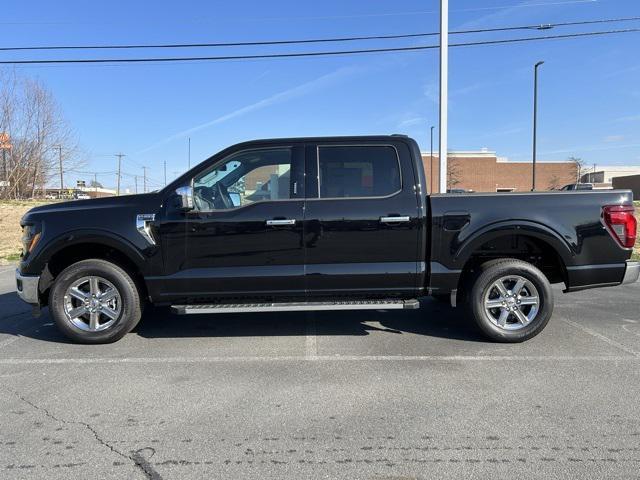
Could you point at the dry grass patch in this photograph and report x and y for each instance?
(10, 214)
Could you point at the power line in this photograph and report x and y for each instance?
(542, 26)
(149, 179)
(315, 17)
(134, 161)
(83, 172)
(312, 54)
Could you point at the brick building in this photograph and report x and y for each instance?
(484, 171)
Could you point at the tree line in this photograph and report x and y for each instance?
(36, 142)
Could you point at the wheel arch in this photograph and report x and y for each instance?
(86, 244)
(524, 228)
(529, 241)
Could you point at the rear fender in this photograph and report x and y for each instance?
(466, 248)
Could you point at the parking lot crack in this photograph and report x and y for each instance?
(136, 457)
(602, 337)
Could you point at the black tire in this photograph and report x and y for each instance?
(490, 273)
(129, 303)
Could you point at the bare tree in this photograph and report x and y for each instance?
(554, 182)
(579, 166)
(32, 124)
(453, 173)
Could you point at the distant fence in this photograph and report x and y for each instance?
(631, 182)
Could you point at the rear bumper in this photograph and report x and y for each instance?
(631, 273)
(27, 287)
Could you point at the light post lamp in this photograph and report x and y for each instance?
(535, 121)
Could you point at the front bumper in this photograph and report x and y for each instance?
(27, 287)
(631, 273)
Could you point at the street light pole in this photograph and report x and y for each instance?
(535, 122)
(431, 162)
(444, 92)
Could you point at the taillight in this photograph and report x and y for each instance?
(622, 223)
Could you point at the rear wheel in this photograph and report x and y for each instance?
(510, 300)
(95, 301)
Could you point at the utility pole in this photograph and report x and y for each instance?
(144, 180)
(59, 147)
(189, 154)
(444, 91)
(535, 122)
(95, 183)
(135, 179)
(119, 155)
(165, 173)
(431, 162)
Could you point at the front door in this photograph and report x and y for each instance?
(361, 221)
(243, 239)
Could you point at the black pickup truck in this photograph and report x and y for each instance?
(341, 223)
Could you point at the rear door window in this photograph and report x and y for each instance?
(358, 171)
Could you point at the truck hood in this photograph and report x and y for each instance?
(144, 201)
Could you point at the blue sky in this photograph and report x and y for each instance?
(589, 88)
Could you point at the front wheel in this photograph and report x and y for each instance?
(95, 301)
(511, 300)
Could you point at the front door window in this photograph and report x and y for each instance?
(244, 178)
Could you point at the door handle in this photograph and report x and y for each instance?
(280, 223)
(395, 219)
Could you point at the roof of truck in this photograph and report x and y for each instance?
(346, 138)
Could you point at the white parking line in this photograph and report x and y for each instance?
(601, 337)
(319, 358)
(626, 329)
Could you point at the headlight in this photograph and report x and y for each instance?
(30, 238)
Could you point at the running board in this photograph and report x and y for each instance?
(297, 306)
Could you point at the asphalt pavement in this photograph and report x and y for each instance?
(350, 395)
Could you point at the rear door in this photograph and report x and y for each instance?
(361, 220)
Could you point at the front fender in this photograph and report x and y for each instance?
(35, 263)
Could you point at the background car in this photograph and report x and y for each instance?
(578, 186)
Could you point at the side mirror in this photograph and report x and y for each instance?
(186, 197)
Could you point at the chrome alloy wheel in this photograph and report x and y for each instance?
(512, 302)
(92, 304)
